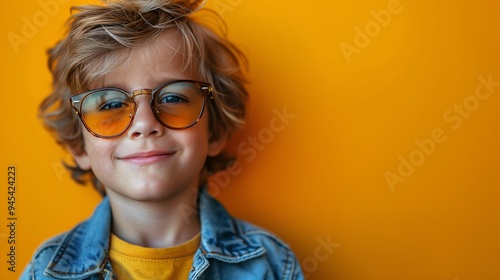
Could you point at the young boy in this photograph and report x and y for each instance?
(145, 98)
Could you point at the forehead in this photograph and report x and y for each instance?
(154, 62)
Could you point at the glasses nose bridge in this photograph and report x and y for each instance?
(142, 92)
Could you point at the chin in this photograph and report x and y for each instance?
(155, 193)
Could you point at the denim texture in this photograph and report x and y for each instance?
(229, 249)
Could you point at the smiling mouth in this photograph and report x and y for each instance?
(146, 157)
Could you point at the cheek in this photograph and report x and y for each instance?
(196, 137)
(98, 150)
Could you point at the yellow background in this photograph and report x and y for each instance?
(321, 177)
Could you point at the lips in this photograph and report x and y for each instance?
(147, 157)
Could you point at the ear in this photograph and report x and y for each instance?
(80, 156)
(215, 146)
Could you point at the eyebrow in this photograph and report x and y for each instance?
(158, 82)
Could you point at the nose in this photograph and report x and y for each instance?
(144, 123)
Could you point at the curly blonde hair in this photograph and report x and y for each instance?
(89, 51)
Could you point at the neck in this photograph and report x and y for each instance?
(157, 224)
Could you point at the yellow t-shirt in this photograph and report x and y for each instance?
(135, 262)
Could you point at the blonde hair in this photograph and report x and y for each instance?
(89, 51)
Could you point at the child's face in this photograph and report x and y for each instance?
(149, 162)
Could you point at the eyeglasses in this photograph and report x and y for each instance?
(109, 112)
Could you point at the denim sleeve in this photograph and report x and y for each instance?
(292, 269)
(27, 272)
(279, 255)
(40, 260)
(297, 273)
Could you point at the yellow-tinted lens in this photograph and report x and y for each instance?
(179, 105)
(106, 112)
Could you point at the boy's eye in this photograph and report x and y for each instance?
(171, 98)
(112, 104)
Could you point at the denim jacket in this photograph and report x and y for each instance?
(229, 249)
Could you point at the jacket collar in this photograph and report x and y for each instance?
(84, 250)
(222, 237)
(80, 254)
